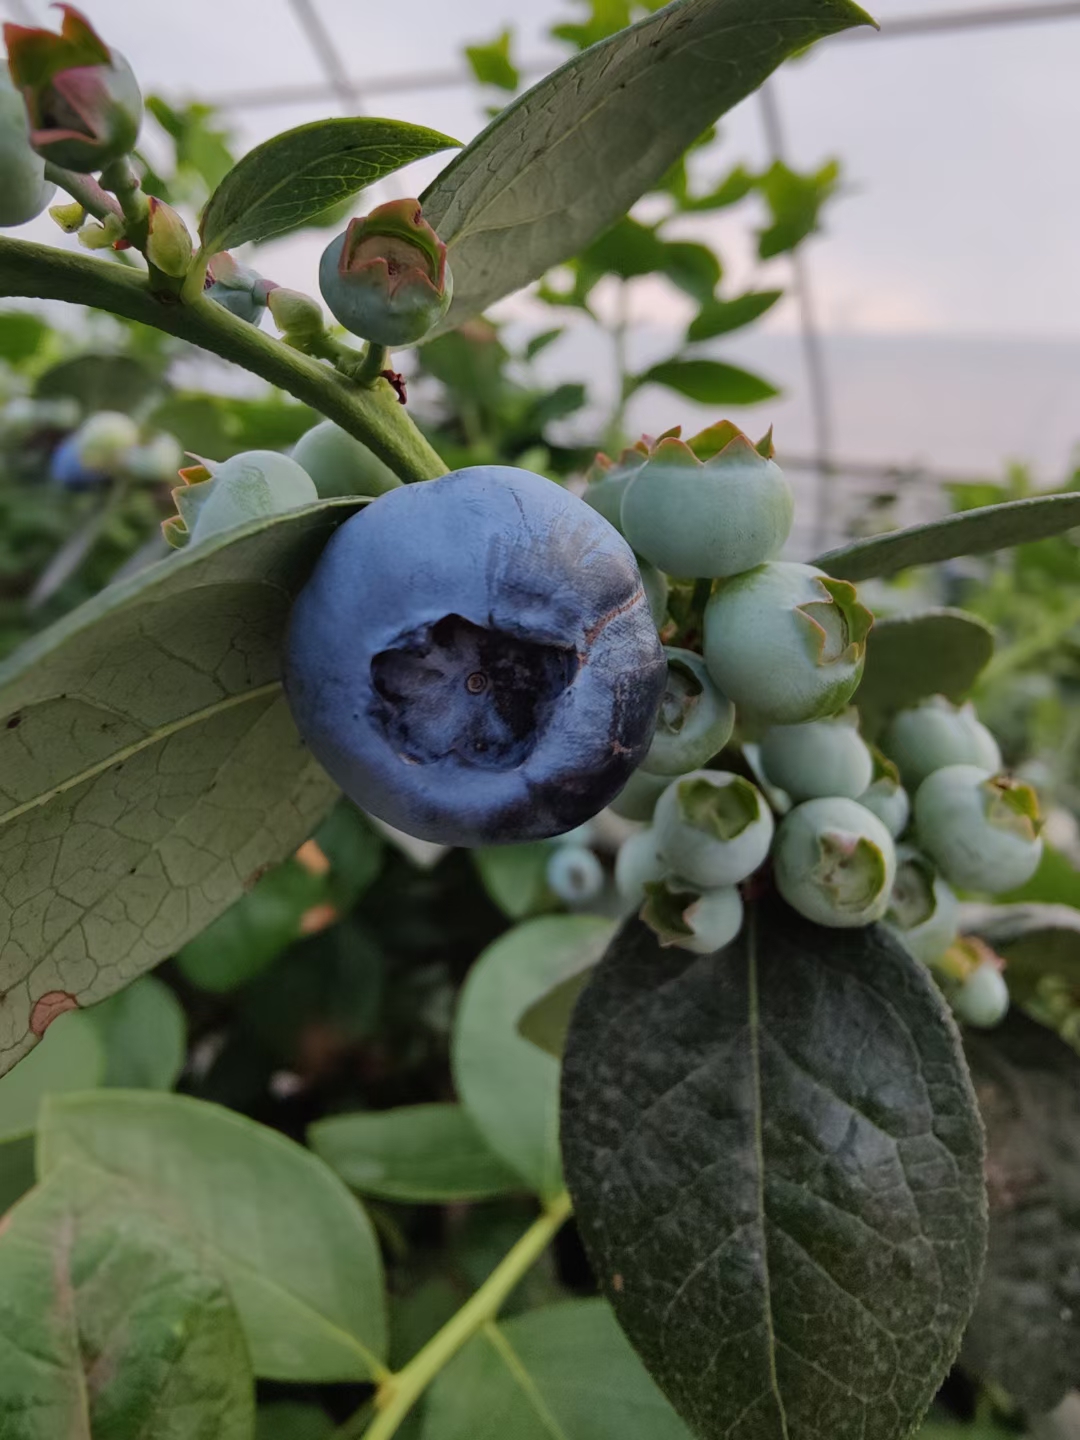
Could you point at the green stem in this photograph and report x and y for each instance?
(399, 1394)
(375, 359)
(373, 416)
(85, 189)
(121, 179)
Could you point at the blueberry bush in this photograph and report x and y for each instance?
(491, 946)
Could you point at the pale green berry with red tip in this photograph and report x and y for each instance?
(695, 721)
(923, 909)
(82, 100)
(981, 830)
(935, 733)
(712, 519)
(713, 828)
(24, 191)
(340, 464)
(386, 278)
(699, 922)
(824, 757)
(835, 863)
(786, 643)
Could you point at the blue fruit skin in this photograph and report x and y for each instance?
(68, 471)
(487, 572)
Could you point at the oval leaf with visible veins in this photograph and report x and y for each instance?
(149, 767)
(776, 1166)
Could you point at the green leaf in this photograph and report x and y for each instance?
(143, 1031)
(16, 1170)
(111, 1323)
(100, 382)
(733, 188)
(515, 877)
(776, 1167)
(289, 1420)
(508, 1086)
(71, 1056)
(21, 336)
(1025, 1332)
(558, 1372)
(1055, 882)
(295, 1248)
(288, 180)
(693, 268)
(795, 202)
(428, 1153)
(709, 382)
(564, 161)
(719, 317)
(151, 768)
(933, 652)
(994, 527)
(224, 425)
(547, 1021)
(491, 64)
(1035, 940)
(242, 942)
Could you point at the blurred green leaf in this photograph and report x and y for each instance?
(491, 64)
(562, 162)
(199, 146)
(1034, 939)
(295, 1248)
(22, 335)
(143, 1031)
(547, 1020)
(70, 1056)
(515, 876)
(733, 188)
(296, 176)
(709, 382)
(218, 426)
(428, 1153)
(693, 268)
(508, 1086)
(719, 317)
(1055, 882)
(100, 382)
(112, 1324)
(795, 202)
(16, 1170)
(542, 341)
(290, 1420)
(565, 1370)
(355, 850)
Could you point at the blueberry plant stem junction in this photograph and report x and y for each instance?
(397, 1395)
(371, 415)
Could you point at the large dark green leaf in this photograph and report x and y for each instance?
(993, 527)
(934, 652)
(296, 1249)
(558, 1372)
(289, 180)
(1025, 1332)
(776, 1165)
(149, 767)
(709, 382)
(428, 1153)
(112, 1325)
(568, 158)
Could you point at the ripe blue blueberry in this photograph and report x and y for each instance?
(474, 661)
(67, 470)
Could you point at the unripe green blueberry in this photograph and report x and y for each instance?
(934, 734)
(983, 998)
(607, 481)
(341, 465)
(248, 486)
(574, 874)
(701, 923)
(835, 862)
(655, 584)
(637, 799)
(707, 520)
(638, 864)
(824, 757)
(24, 191)
(923, 910)
(695, 720)
(885, 797)
(159, 458)
(786, 643)
(981, 830)
(713, 828)
(104, 440)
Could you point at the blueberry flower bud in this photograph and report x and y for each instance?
(296, 315)
(168, 242)
(24, 191)
(785, 642)
(386, 278)
(708, 520)
(83, 101)
(69, 217)
(242, 291)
